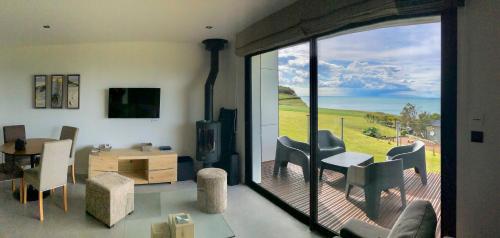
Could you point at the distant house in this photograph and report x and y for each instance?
(433, 131)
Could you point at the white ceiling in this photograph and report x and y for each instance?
(79, 21)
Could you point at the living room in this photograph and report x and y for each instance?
(163, 108)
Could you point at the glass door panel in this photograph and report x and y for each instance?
(280, 150)
(378, 89)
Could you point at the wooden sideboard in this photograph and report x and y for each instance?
(143, 167)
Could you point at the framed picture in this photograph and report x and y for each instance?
(56, 91)
(40, 94)
(73, 91)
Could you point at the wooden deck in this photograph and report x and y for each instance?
(334, 209)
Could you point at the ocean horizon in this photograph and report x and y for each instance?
(390, 105)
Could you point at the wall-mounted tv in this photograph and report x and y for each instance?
(134, 103)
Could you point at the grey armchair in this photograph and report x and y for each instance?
(51, 173)
(418, 220)
(70, 133)
(329, 144)
(290, 151)
(374, 178)
(413, 156)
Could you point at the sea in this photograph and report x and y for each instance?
(390, 105)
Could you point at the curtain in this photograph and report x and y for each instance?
(306, 18)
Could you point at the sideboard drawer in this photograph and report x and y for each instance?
(96, 163)
(157, 163)
(162, 176)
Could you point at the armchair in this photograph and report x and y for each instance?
(374, 178)
(288, 150)
(417, 220)
(413, 156)
(329, 144)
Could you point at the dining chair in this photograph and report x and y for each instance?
(70, 133)
(50, 174)
(10, 135)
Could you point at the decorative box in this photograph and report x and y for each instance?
(181, 225)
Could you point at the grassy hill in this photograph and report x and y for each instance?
(288, 97)
(293, 123)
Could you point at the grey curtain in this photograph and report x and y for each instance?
(306, 18)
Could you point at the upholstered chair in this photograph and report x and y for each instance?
(375, 178)
(418, 220)
(10, 135)
(50, 174)
(329, 144)
(70, 133)
(413, 157)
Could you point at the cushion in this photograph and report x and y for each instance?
(418, 220)
(357, 229)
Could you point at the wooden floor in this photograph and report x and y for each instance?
(334, 209)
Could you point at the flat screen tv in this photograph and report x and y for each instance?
(134, 103)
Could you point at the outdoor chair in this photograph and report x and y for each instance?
(329, 144)
(290, 151)
(375, 178)
(413, 156)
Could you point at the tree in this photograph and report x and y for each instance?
(409, 115)
(424, 119)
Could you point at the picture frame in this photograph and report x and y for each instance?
(73, 91)
(56, 91)
(40, 91)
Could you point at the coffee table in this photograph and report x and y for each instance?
(153, 208)
(341, 162)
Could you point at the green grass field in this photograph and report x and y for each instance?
(293, 123)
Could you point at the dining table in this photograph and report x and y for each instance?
(33, 149)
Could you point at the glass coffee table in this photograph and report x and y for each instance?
(151, 208)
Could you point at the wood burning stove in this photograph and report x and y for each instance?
(208, 131)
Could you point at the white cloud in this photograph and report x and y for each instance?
(396, 61)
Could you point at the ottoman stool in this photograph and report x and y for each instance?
(109, 197)
(212, 190)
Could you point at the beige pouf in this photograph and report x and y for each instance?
(109, 197)
(212, 190)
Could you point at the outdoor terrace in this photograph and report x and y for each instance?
(334, 209)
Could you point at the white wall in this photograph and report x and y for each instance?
(179, 69)
(264, 110)
(478, 166)
(269, 104)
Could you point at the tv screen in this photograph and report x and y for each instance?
(134, 103)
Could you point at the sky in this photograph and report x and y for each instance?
(403, 61)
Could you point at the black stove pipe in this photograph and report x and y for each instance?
(214, 46)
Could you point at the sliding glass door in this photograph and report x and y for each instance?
(378, 95)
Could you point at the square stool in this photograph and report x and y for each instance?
(109, 197)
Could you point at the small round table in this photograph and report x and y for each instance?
(33, 148)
